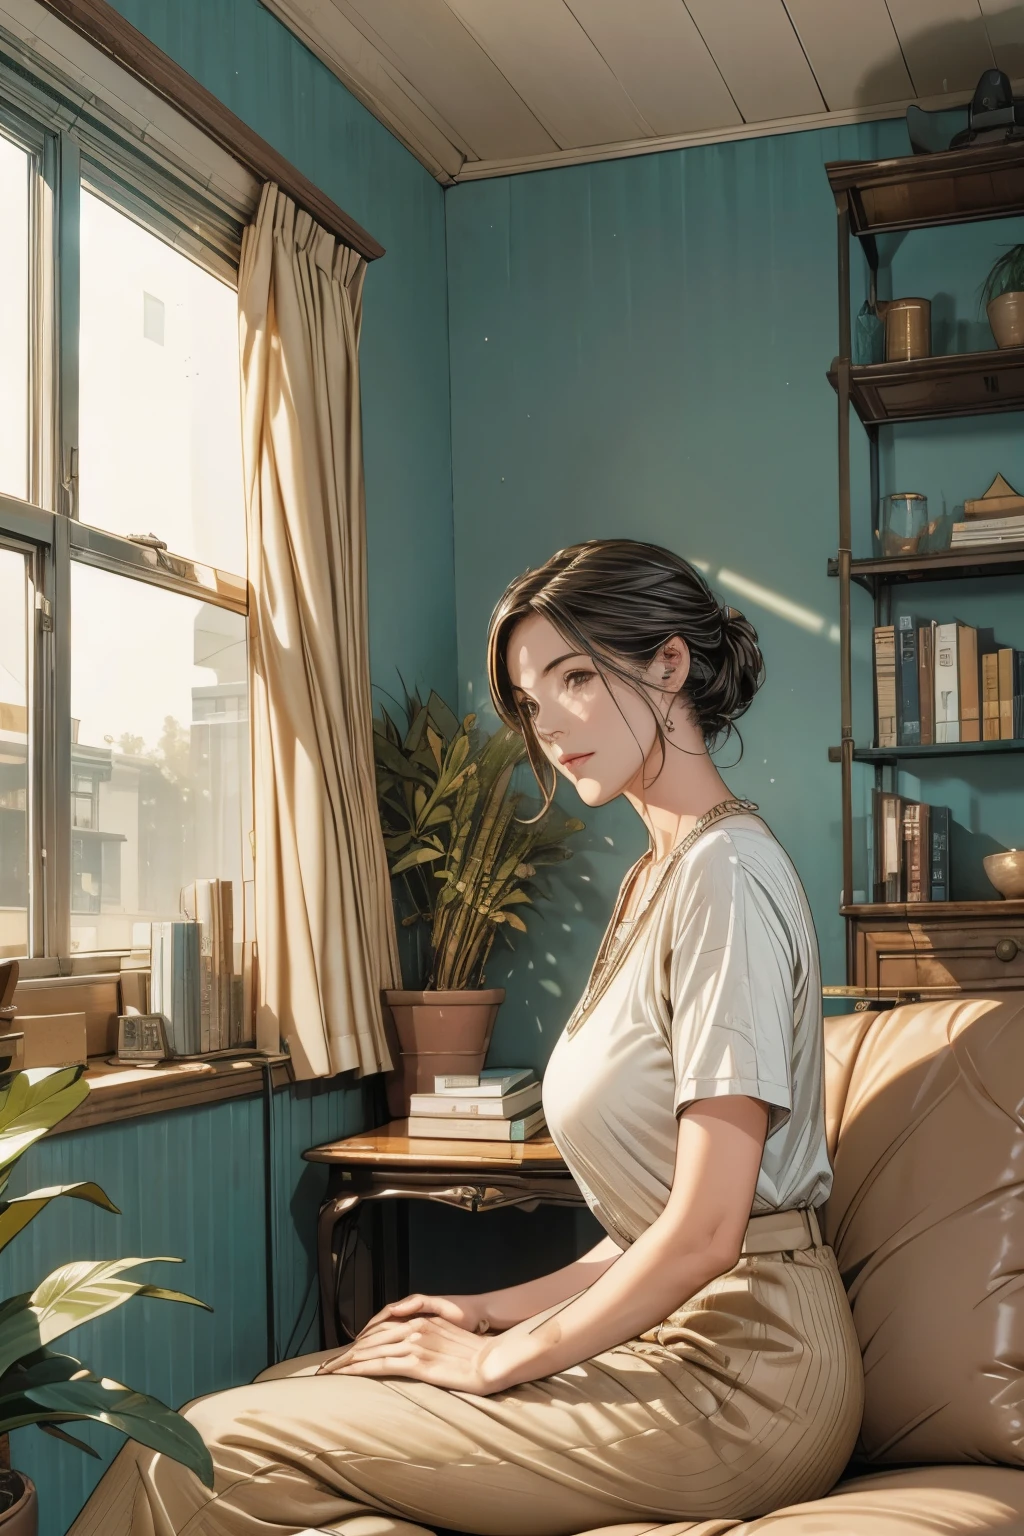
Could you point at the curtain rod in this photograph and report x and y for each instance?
(100, 24)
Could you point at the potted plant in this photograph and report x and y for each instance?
(1003, 295)
(38, 1384)
(464, 857)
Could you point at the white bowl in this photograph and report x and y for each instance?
(1006, 872)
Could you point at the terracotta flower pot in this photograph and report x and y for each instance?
(1006, 317)
(21, 1517)
(431, 1032)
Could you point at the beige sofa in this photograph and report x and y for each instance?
(926, 1126)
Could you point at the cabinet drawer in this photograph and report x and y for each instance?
(970, 956)
(973, 956)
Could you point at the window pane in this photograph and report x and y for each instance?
(14, 254)
(13, 753)
(160, 755)
(160, 437)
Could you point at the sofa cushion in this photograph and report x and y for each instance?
(926, 1221)
(919, 1501)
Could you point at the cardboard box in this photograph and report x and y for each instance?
(51, 1040)
(95, 996)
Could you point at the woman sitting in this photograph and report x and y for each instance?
(699, 1362)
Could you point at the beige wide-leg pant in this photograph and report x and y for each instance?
(746, 1399)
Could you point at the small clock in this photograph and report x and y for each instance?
(142, 1038)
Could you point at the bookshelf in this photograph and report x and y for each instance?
(948, 565)
(936, 388)
(969, 944)
(933, 749)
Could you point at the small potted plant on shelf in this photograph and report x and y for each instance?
(38, 1384)
(1003, 296)
(464, 859)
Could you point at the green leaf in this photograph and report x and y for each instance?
(76, 1293)
(436, 745)
(442, 716)
(457, 754)
(32, 1103)
(418, 717)
(418, 856)
(439, 814)
(16, 1214)
(62, 1434)
(144, 1419)
(392, 759)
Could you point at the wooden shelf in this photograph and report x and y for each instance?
(118, 1092)
(938, 749)
(923, 911)
(937, 388)
(957, 186)
(946, 565)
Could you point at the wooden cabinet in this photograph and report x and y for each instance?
(971, 946)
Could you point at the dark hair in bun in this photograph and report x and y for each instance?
(619, 601)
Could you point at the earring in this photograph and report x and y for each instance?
(666, 675)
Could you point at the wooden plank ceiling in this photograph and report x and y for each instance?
(485, 87)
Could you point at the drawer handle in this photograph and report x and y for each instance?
(1007, 950)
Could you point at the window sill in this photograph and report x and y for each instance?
(125, 1092)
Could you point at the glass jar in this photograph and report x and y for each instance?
(902, 523)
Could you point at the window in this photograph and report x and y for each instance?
(159, 754)
(160, 429)
(15, 164)
(14, 589)
(124, 709)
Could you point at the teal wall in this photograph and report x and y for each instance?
(190, 1183)
(638, 348)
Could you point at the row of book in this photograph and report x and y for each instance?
(911, 846)
(938, 683)
(497, 1104)
(194, 981)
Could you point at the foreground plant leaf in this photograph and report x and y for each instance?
(32, 1103)
(16, 1213)
(142, 1418)
(72, 1295)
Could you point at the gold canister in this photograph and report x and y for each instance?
(908, 329)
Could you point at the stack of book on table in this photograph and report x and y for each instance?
(498, 1104)
(942, 683)
(911, 845)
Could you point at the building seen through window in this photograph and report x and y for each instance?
(160, 754)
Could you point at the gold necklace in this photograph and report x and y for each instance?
(603, 971)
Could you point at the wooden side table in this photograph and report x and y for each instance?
(387, 1164)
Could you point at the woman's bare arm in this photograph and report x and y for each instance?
(503, 1309)
(494, 1311)
(698, 1236)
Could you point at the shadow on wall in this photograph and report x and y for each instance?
(951, 56)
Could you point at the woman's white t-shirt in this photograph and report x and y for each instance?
(719, 993)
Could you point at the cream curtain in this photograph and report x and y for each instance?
(324, 924)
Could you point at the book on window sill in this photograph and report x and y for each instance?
(473, 1128)
(507, 1107)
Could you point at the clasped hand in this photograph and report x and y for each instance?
(425, 1338)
